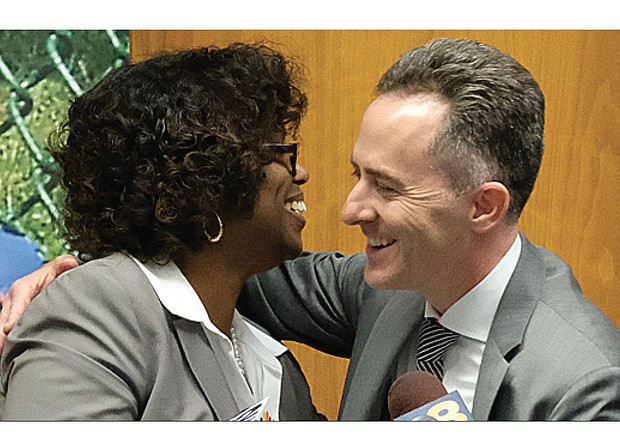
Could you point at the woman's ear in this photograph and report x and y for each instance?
(489, 205)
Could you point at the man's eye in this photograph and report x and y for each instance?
(384, 188)
(356, 173)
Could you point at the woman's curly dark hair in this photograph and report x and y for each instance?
(155, 148)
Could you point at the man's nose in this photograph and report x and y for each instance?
(358, 208)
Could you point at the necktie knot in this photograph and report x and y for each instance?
(435, 340)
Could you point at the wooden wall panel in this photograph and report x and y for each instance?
(574, 209)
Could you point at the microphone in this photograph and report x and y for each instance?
(420, 396)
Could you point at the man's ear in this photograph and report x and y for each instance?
(489, 205)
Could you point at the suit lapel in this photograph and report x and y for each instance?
(206, 369)
(508, 328)
(370, 379)
(492, 373)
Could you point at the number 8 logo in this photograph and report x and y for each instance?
(448, 410)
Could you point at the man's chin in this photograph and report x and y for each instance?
(378, 280)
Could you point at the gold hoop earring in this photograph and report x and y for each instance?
(216, 239)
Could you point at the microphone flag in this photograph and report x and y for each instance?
(449, 407)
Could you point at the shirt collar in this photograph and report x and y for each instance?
(179, 298)
(473, 314)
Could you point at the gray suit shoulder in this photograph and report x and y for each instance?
(564, 298)
(116, 277)
(110, 294)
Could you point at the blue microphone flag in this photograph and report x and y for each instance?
(449, 407)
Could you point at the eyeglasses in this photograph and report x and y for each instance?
(283, 149)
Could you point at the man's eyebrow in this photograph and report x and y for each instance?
(379, 175)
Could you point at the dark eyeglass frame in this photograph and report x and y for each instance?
(285, 148)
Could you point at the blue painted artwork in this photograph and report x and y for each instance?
(18, 257)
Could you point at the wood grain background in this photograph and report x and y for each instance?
(574, 209)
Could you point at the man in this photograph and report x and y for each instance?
(446, 159)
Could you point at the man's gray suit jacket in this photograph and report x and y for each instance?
(551, 354)
(98, 345)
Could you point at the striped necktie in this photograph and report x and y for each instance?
(434, 342)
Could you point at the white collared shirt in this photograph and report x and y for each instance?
(258, 350)
(471, 317)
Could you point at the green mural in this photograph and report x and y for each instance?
(40, 73)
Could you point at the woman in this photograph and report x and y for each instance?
(179, 184)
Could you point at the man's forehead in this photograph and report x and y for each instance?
(399, 104)
(396, 119)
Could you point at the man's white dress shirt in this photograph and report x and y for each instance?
(471, 317)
